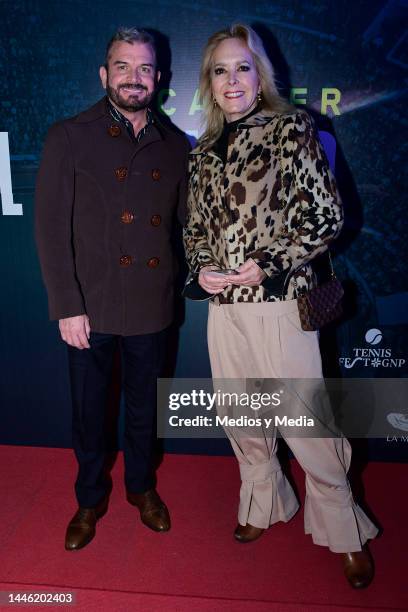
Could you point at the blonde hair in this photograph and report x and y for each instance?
(213, 117)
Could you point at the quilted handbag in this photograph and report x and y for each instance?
(320, 305)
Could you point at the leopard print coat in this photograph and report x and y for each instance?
(274, 201)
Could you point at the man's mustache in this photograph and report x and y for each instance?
(135, 86)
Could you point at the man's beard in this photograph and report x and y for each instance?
(130, 103)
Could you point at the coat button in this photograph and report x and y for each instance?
(125, 261)
(153, 262)
(156, 174)
(121, 173)
(127, 216)
(114, 130)
(155, 220)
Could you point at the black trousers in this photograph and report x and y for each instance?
(142, 359)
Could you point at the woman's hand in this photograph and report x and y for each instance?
(249, 274)
(210, 282)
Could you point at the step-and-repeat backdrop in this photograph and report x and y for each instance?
(345, 62)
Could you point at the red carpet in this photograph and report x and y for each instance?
(197, 566)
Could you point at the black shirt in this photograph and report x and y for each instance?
(117, 116)
(220, 147)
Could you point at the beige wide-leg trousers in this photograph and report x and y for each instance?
(265, 340)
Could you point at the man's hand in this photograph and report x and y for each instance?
(250, 275)
(210, 282)
(76, 331)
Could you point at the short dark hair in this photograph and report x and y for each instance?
(130, 35)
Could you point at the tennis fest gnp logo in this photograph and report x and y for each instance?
(373, 355)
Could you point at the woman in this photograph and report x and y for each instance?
(262, 204)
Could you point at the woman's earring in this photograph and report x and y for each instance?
(259, 96)
(214, 101)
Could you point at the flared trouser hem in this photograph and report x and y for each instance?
(265, 340)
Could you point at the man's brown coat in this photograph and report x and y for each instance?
(104, 214)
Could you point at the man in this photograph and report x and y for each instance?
(110, 183)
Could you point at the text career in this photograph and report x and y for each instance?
(329, 100)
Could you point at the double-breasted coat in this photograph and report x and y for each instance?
(104, 213)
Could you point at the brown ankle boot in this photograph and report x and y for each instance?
(249, 533)
(358, 568)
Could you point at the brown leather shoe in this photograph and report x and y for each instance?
(358, 568)
(153, 511)
(249, 533)
(82, 527)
